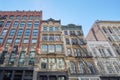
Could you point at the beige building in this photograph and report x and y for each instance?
(103, 41)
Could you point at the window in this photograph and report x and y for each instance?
(116, 30)
(67, 41)
(36, 24)
(21, 58)
(25, 40)
(17, 40)
(34, 40)
(51, 63)
(22, 24)
(104, 29)
(44, 28)
(65, 32)
(2, 57)
(51, 38)
(72, 68)
(12, 32)
(9, 40)
(79, 33)
(91, 68)
(37, 17)
(15, 24)
(57, 37)
(50, 28)
(51, 49)
(12, 58)
(81, 67)
(81, 41)
(35, 32)
(18, 17)
(8, 24)
(27, 32)
(44, 37)
(31, 57)
(29, 24)
(110, 38)
(69, 53)
(77, 52)
(72, 32)
(31, 17)
(109, 52)
(20, 32)
(116, 38)
(1, 23)
(11, 17)
(74, 41)
(4, 32)
(44, 63)
(60, 63)
(1, 40)
(24, 17)
(44, 48)
(58, 48)
(56, 28)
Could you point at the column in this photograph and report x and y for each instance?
(23, 74)
(12, 77)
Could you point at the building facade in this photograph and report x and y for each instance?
(19, 43)
(103, 42)
(79, 60)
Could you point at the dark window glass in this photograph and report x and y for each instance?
(44, 37)
(24, 17)
(12, 32)
(12, 58)
(2, 57)
(11, 17)
(67, 41)
(74, 41)
(1, 23)
(32, 57)
(27, 32)
(18, 17)
(35, 32)
(22, 24)
(8, 24)
(29, 24)
(20, 32)
(31, 17)
(15, 24)
(36, 24)
(72, 32)
(65, 32)
(79, 33)
(51, 38)
(37, 17)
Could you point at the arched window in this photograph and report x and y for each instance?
(81, 67)
(72, 67)
(91, 68)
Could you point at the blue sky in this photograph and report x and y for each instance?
(79, 12)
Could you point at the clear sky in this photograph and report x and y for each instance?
(79, 12)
